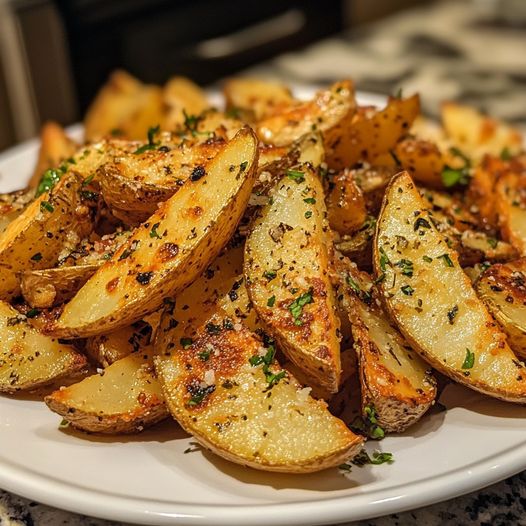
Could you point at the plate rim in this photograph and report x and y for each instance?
(432, 489)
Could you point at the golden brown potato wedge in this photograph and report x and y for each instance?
(255, 99)
(368, 134)
(224, 387)
(124, 398)
(433, 302)
(52, 222)
(396, 383)
(510, 196)
(502, 287)
(124, 106)
(180, 95)
(286, 266)
(170, 250)
(476, 134)
(46, 288)
(29, 359)
(326, 113)
(345, 204)
(133, 185)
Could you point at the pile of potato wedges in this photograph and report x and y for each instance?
(234, 267)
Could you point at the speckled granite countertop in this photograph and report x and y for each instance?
(445, 51)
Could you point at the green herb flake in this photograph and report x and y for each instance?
(243, 166)
(308, 214)
(384, 259)
(421, 223)
(492, 242)
(296, 175)
(378, 458)
(266, 360)
(469, 360)
(427, 259)
(64, 424)
(310, 200)
(49, 179)
(407, 267)
(505, 154)
(204, 356)
(153, 231)
(451, 314)
(270, 274)
(32, 313)
(186, 343)
(296, 307)
(452, 177)
(36, 257)
(407, 290)
(88, 180)
(271, 301)
(46, 206)
(152, 144)
(447, 260)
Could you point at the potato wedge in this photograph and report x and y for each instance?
(29, 359)
(46, 288)
(476, 134)
(255, 99)
(225, 389)
(133, 185)
(433, 302)
(125, 398)
(168, 252)
(510, 194)
(286, 266)
(358, 247)
(368, 135)
(49, 224)
(502, 287)
(180, 95)
(325, 113)
(55, 147)
(395, 381)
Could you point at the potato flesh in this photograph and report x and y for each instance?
(179, 94)
(503, 289)
(29, 359)
(126, 394)
(191, 228)
(511, 208)
(289, 238)
(423, 304)
(277, 429)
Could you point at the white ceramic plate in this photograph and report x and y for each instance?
(149, 479)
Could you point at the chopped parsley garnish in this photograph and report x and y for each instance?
(310, 200)
(398, 94)
(271, 301)
(375, 431)
(186, 343)
(421, 223)
(46, 206)
(36, 257)
(469, 360)
(64, 424)
(49, 179)
(407, 290)
(457, 152)
(266, 360)
(243, 166)
(384, 259)
(427, 259)
(378, 458)
(88, 195)
(407, 267)
(296, 175)
(505, 154)
(212, 328)
(152, 144)
(204, 356)
(492, 242)
(127, 252)
(191, 122)
(88, 180)
(447, 260)
(32, 313)
(308, 214)
(354, 286)
(296, 307)
(451, 314)
(454, 176)
(199, 394)
(153, 231)
(269, 274)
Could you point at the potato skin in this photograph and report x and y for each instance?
(450, 320)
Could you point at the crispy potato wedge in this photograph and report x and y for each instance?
(125, 398)
(29, 359)
(49, 287)
(168, 252)
(55, 147)
(180, 95)
(124, 106)
(395, 381)
(510, 194)
(345, 204)
(133, 185)
(327, 113)
(476, 134)
(368, 134)
(224, 388)
(49, 224)
(502, 287)
(433, 302)
(255, 99)
(286, 266)
(423, 160)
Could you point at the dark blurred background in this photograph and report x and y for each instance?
(55, 54)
